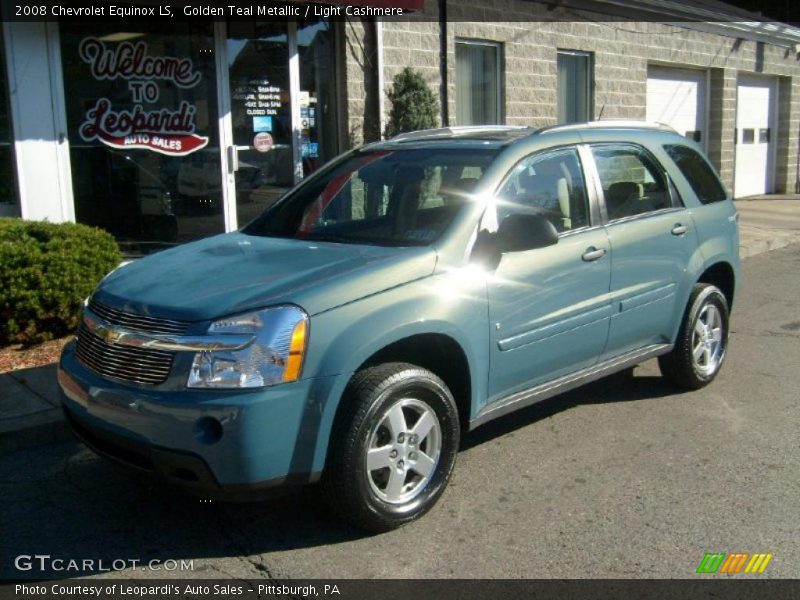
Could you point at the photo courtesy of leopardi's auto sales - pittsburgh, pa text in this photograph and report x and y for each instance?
(188, 589)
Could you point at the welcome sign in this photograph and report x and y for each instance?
(164, 130)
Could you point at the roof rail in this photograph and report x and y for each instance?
(609, 124)
(453, 131)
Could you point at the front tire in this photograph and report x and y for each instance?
(393, 447)
(702, 340)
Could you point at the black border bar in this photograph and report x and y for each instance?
(129, 11)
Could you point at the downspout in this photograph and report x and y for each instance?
(380, 78)
(797, 169)
(443, 62)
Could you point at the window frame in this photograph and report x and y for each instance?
(13, 207)
(499, 69)
(595, 216)
(675, 199)
(590, 83)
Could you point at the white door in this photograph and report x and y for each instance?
(755, 135)
(677, 97)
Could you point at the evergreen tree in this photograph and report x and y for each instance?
(414, 106)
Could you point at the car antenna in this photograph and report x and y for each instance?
(602, 108)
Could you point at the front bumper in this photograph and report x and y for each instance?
(218, 443)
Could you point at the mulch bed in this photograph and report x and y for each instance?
(17, 356)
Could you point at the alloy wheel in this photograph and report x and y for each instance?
(403, 451)
(708, 340)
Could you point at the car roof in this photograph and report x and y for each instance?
(498, 136)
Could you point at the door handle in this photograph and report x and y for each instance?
(679, 229)
(233, 159)
(593, 253)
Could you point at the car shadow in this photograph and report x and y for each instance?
(63, 501)
(616, 388)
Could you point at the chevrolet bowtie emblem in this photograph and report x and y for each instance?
(110, 336)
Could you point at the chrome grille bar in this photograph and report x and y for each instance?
(136, 322)
(137, 365)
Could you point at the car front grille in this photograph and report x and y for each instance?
(136, 322)
(127, 363)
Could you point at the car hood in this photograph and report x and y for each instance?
(234, 272)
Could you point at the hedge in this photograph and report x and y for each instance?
(46, 271)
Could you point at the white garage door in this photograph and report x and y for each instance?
(677, 97)
(755, 135)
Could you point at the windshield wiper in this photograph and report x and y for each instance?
(329, 237)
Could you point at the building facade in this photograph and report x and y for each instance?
(165, 133)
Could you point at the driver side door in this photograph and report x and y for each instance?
(549, 308)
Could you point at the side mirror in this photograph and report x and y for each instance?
(519, 232)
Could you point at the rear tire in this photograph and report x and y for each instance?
(702, 340)
(393, 447)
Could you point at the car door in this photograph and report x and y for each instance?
(549, 308)
(652, 241)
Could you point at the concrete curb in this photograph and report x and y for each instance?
(30, 409)
(753, 240)
(33, 430)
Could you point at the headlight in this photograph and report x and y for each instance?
(275, 356)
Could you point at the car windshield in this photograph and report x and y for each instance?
(390, 197)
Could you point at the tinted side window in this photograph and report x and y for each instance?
(550, 184)
(698, 173)
(632, 183)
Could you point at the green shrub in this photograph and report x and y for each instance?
(414, 106)
(46, 270)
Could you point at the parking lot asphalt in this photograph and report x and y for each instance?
(622, 478)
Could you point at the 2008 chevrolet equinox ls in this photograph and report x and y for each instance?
(408, 291)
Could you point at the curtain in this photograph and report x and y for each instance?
(573, 87)
(477, 89)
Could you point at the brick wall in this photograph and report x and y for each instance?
(622, 52)
(722, 121)
(786, 153)
(359, 83)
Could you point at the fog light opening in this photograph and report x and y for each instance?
(208, 430)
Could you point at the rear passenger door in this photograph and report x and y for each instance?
(651, 241)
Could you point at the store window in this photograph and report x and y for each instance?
(143, 131)
(271, 153)
(261, 114)
(8, 193)
(478, 83)
(318, 120)
(574, 86)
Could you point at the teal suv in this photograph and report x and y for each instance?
(409, 291)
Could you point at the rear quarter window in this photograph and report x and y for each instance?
(698, 173)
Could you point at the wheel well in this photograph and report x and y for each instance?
(437, 353)
(720, 275)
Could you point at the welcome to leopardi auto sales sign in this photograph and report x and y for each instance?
(163, 130)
